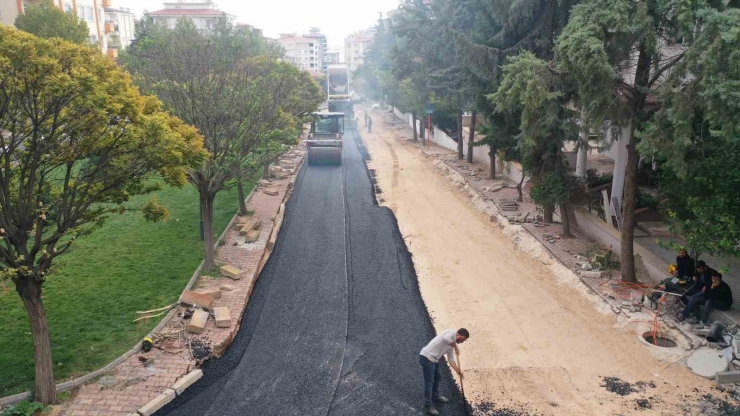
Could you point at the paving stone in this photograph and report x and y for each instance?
(250, 225)
(253, 236)
(197, 299)
(271, 192)
(187, 380)
(223, 318)
(213, 292)
(232, 272)
(157, 403)
(198, 322)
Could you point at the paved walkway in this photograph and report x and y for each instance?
(143, 376)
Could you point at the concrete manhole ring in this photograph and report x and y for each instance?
(658, 339)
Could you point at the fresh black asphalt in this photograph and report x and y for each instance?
(336, 321)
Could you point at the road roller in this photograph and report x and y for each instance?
(324, 142)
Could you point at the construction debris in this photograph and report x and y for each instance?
(222, 317)
(213, 292)
(271, 192)
(232, 272)
(252, 236)
(190, 297)
(198, 322)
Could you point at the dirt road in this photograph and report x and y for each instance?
(537, 339)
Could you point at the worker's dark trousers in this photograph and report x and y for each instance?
(706, 308)
(432, 375)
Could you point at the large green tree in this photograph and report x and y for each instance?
(227, 83)
(78, 140)
(618, 53)
(48, 21)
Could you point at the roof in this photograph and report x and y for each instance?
(189, 12)
(327, 114)
(114, 10)
(295, 39)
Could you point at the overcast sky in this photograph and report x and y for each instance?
(335, 18)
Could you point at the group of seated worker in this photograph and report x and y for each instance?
(702, 289)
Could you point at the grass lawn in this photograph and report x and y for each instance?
(128, 265)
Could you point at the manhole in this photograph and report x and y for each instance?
(658, 340)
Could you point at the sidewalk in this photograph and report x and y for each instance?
(144, 376)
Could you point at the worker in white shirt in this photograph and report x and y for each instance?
(443, 344)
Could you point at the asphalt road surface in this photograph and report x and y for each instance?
(336, 320)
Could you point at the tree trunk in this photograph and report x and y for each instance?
(547, 211)
(582, 156)
(492, 162)
(627, 256)
(422, 130)
(460, 153)
(210, 257)
(266, 171)
(416, 133)
(565, 220)
(242, 202)
(44, 387)
(519, 189)
(471, 137)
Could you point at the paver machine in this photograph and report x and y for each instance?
(325, 140)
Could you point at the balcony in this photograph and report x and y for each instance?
(110, 27)
(107, 3)
(113, 53)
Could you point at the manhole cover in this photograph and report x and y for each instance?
(658, 340)
(706, 362)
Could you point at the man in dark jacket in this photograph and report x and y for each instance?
(685, 265)
(718, 295)
(702, 279)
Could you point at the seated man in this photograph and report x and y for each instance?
(702, 279)
(684, 264)
(716, 296)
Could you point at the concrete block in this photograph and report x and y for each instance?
(727, 377)
(227, 288)
(250, 225)
(591, 274)
(213, 292)
(223, 318)
(196, 299)
(232, 272)
(198, 322)
(186, 381)
(157, 403)
(265, 182)
(252, 236)
(271, 192)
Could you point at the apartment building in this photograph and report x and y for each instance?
(320, 38)
(91, 11)
(118, 27)
(355, 46)
(301, 51)
(331, 57)
(203, 13)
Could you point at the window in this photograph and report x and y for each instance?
(67, 6)
(93, 39)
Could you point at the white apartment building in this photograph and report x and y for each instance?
(331, 57)
(315, 33)
(355, 46)
(303, 52)
(91, 11)
(119, 27)
(203, 13)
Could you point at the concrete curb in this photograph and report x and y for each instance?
(79, 381)
(169, 394)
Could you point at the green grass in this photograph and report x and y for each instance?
(128, 265)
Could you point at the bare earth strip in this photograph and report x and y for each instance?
(537, 339)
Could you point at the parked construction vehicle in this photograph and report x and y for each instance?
(338, 92)
(324, 142)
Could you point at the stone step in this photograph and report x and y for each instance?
(223, 318)
(232, 272)
(198, 322)
(196, 299)
(252, 236)
(213, 292)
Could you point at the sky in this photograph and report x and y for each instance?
(335, 18)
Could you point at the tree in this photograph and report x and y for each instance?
(695, 133)
(48, 21)
(222, 82)
(530, 87)
(604, 43)
(78, 140)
